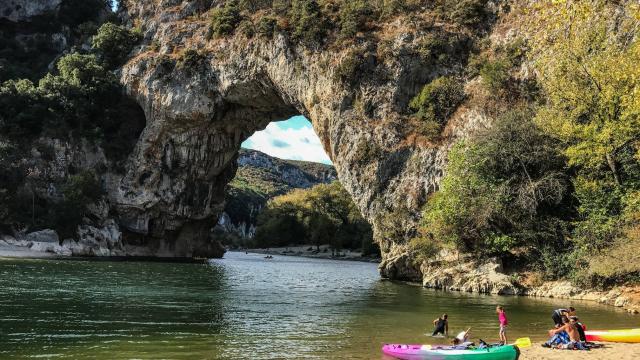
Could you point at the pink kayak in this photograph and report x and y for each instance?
(429, 352)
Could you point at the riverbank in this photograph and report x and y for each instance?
(489, 277)
(609, 351)
(311, 251)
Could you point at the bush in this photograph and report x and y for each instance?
(323, 214)
(437, 101)
(23, 109)
(78, 192)
(353, 16)
(225, 20)
(471, 13)
(442, 48)
(114, 43)
(190, 59)
(267, 26)
(495, 74)
(308, 24)
(504, 189)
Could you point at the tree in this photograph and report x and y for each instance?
(114, 43)
(224, 20)
(323, 214)
(353, 16)
(589, 74)
(307, 21)
(504, 188)
(436, 102)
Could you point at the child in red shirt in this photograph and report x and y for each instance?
(502, 317)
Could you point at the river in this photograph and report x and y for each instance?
(241, 307)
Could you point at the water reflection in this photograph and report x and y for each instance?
(242, 306)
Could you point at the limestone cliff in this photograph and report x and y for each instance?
(202, 96)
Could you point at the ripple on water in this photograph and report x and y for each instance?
(238, 307)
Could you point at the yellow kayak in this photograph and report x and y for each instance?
(625, 336)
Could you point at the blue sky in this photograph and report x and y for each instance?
(290, 139)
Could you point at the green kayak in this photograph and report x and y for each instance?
(428, 352)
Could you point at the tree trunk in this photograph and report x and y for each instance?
(614, 169)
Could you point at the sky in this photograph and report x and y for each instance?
(292, 139)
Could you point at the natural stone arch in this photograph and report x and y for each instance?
(199, 111)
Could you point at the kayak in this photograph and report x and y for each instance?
(428, 352)
(625, 336)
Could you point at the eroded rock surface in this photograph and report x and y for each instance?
(199, 112)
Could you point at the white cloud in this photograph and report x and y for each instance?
(290, 143)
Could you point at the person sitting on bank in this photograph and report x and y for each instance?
(441, 326)
(571, 328)
(559, 313)
(580, 327)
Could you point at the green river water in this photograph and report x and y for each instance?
(242, 307)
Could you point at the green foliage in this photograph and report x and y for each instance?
(471, 13)
(114, 43)
(437, 101)
(190, 59)
(255, 5)
(504, 189)
(495, 74)
(323, 214)
(307, 22)
(24, 207)
(443, 48)
(84, 100)
(353, 16)
(267, 26)
(589, 74)
(224, 20)
(79, 191)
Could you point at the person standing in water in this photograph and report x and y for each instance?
(502, 318)
(441, 326)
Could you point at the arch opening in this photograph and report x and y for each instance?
(281, 170)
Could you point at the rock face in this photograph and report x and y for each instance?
(198, 114)
(20, 10)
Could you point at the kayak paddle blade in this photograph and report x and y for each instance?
(523, 342)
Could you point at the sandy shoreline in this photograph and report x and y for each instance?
(310, 251)
(612, 351)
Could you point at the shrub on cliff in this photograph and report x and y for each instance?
(84, 100)
(437, 101)
(267, 26)
(307, 22)
(114, 43)
(471, 13)
(190, 59)
(224, 20)
(590, 77)
(504, 189)
(353, 16)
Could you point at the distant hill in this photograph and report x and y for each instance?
(261, 177)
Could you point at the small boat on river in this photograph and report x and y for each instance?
(440, 352)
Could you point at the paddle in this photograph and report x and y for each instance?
(522, 342)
